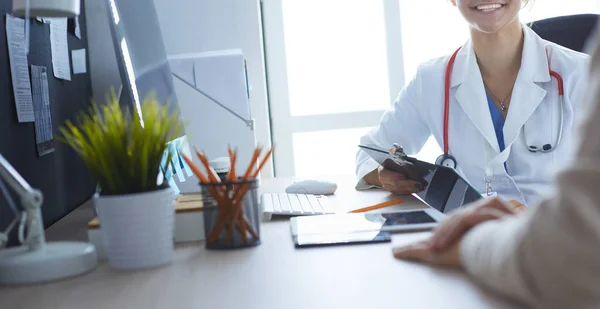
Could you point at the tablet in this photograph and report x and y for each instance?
(313, 240)
(445, 190)
(399, 221)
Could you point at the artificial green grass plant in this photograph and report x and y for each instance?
(121, 151)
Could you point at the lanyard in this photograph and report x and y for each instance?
(490, 164)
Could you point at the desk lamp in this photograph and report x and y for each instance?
(36, 261)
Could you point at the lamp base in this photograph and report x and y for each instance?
(58, 260)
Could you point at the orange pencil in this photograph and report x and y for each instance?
(202, 178)
(232, 160)
(206, 164)
(237, 206)
(195, 169)
(239, 194)
(265, 159)
(378, 206)
(252, 164)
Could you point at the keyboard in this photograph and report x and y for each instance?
(286, 204)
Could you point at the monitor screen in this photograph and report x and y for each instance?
(141, 54)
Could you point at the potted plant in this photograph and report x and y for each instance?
(123, 151)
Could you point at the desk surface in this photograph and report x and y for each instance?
(272, 275)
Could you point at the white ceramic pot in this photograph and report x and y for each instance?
(137, 228)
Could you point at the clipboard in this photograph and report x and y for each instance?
(445, 189)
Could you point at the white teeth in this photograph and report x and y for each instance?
(488, 7)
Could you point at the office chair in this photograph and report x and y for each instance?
(570, 31)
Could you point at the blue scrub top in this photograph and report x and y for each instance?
(498, 122)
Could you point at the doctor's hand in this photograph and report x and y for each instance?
(443, 247)
(397, 183)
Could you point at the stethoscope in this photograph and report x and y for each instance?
(446, 159)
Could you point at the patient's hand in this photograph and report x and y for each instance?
(398, 183)
(443, 247)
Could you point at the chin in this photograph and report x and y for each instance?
(490, 28)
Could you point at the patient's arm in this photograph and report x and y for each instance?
(550, 256)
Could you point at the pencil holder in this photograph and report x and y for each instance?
(231, 214)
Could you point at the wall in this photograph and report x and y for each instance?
(190, 26)
(61, 176)
(195, 26)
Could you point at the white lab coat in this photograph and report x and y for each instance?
(418, 111)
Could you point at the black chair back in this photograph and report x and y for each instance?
(570, 31)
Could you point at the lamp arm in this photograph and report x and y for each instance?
(31, 200)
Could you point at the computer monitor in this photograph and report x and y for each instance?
(140, 51)
(144, 68)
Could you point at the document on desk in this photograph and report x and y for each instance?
(59, 46)
(43, 115)
(15, 36)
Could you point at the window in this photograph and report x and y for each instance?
(334, 66)
(330, 79)
(336, 59)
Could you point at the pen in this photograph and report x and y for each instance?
(377, 206)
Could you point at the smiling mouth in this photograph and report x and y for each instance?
(488, 7)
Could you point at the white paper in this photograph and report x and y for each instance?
(15, 36)
(78, 58)
(43, 115)
(39, 19)
(77, 28)
(60, 49)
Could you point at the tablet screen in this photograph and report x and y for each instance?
(358, 222)
(402, 218)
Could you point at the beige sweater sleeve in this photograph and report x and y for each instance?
(550, 257)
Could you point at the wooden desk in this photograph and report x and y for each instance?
(272, 275)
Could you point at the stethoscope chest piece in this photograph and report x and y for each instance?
(545, 148)
(446, 160)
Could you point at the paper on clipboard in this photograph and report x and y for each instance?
(401, 163)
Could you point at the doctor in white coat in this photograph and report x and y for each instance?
(504, 108)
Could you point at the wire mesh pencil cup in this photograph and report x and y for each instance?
(231, 223)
